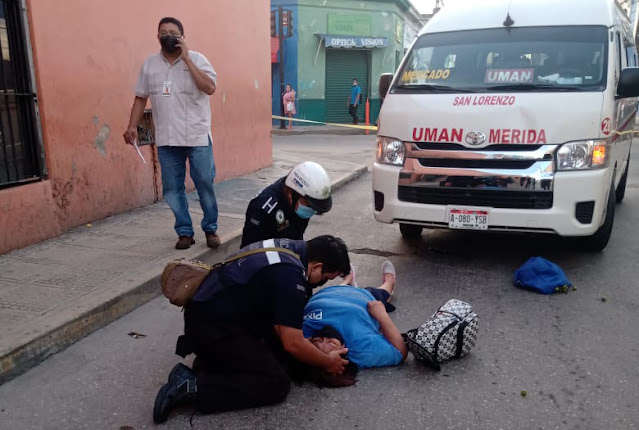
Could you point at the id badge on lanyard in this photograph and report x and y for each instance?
(166, 89)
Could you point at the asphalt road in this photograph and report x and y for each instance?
(574, 354)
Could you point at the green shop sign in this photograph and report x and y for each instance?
(352, 25)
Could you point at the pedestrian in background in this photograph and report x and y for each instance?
(353, 101)
(289, 104)
(179, 83)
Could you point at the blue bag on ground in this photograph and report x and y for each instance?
(541, 275)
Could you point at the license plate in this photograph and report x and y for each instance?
(468, 219)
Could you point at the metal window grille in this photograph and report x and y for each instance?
(21, 157)
(146, 131)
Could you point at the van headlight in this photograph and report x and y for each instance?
(390, 151)
(588, 154)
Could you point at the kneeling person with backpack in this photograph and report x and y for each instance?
(241, 317)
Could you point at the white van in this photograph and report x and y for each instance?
(510, 116)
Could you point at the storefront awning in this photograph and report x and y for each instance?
(343, 41)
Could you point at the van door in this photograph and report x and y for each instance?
(626, 108)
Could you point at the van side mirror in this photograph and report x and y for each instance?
(628, 83)
(385, 80)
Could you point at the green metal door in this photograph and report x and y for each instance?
(342, 66)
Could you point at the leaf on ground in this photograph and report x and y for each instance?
(135, 335)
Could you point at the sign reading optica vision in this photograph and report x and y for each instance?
(354, 42)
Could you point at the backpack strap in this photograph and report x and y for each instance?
(256, 251)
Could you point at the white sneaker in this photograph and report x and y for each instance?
(388, 269)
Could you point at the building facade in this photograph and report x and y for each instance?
(631, 7)
(334, 41)
(66, 89)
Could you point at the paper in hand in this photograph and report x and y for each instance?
(137, 148)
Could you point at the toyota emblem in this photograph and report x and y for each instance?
(475, 138)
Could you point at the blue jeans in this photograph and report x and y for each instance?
(173, 166)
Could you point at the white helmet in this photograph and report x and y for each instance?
(311, 181)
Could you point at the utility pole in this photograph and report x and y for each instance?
(280, 13)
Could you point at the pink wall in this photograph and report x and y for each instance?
(87, 56)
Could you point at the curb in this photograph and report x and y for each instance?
(24, 357)
(337, 132)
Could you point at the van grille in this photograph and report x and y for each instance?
(501, 147)
(476, 164)
(488, 198)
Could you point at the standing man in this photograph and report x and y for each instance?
(179, 83)
(283, 209)
(353, 101)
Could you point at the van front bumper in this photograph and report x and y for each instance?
(515, 201)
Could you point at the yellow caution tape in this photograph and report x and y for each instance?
(361, 127)
(621, 133)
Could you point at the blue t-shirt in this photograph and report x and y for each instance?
(346, 309)
(355, 91)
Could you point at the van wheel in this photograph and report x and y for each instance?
(410, 230)
(620, 192)
(598, 241)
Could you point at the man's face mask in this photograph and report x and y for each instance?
(169, 43)
(304, 212)
(316, 278)
(317, 284)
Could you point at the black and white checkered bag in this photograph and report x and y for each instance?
(450, 333)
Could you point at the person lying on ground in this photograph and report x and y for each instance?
(359, 321)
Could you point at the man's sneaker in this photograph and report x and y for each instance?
(178, 371)
(181, 389)
(184, 242)
(212, 240)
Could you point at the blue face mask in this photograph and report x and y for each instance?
(304, 212)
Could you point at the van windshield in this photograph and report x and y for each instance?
(529, 59)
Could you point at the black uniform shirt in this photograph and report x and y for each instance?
(269, 216)
(276, 295)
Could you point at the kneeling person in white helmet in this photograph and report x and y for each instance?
(283, 209)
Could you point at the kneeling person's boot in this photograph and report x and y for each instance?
(180, 390)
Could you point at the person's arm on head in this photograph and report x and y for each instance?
(131, 133)
(304, 351)
(204, 81)
(377, 310)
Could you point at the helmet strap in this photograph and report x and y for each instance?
(295, 198)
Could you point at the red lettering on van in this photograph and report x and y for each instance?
(515, 136)
(456, 135)
(494, 136)
(430, 135)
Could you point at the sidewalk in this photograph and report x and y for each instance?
(319, 129)
(58, 291)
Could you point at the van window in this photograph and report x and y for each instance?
(631, 56)
(619, 63)
(519, 59)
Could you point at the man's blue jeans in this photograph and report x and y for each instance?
(202, 165)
